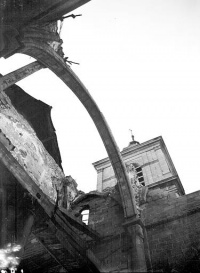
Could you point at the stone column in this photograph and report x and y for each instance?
(100, 180)
(138, 260)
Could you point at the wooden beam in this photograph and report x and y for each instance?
(63, 228)
(3, 202)
(19, 74)
(25, 180)
(26, 233)
(63, 218)
(50, 252)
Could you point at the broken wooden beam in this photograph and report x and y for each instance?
(19, 74)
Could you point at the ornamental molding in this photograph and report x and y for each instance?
(140, 191)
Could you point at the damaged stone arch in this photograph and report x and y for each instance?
(83, 213)
(78, 207)
(50, 59)
(36, 36)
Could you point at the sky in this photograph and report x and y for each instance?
(140, 60)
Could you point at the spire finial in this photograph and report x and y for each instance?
(133, 142)
(132, 136)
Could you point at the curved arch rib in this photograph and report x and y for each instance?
(49, 58)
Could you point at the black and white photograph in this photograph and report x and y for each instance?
(99, 136)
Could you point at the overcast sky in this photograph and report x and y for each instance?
(140, 61)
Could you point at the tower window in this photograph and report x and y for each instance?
(140, 175)
(137, 170)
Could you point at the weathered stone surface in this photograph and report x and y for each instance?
(172, 224)
(20, 139)
(106, 217)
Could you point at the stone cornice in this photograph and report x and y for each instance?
(129, 150)
(168, 180)
(134, 149)
(142, 146)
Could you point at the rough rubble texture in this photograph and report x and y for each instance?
(17, 136)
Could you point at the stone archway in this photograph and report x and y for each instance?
(37, 37)
(46, 55)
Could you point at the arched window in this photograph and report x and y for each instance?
(85, 214)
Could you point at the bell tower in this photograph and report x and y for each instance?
(149, 161)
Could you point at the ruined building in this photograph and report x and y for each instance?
(168, 234)
(169, 218)
(139, 218)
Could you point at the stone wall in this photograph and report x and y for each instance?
(172, 226)
(19, 138)
(173, 230)
(106, 217)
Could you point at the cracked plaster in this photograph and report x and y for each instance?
(20, 139)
